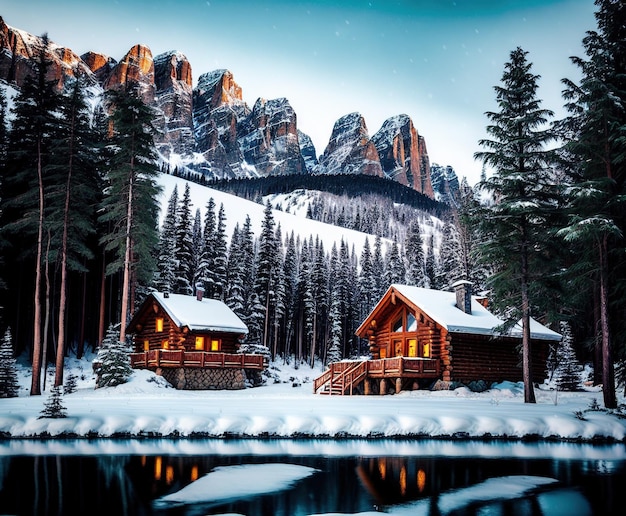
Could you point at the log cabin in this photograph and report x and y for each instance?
(417, 336)
(192, 342)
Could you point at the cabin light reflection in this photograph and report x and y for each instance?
(194, 473)
(382, 468)
(158, 464)
(403, 481)
(421, 480)
(169, 475)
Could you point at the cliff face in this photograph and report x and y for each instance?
(211, 130)
(403, 154)
(350, 149)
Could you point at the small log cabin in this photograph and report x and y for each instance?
(192, 341)
(417, 336)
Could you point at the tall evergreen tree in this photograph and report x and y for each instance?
(220, 248)
(235, 274)
(183, 275)
(131, 201)
(517, 225)
(35, 127)
(595, 136)
(166, 261)
(395, 271)
(414, 256)
(207, 259)
(9, 386)
(72, 201)
(114, 359)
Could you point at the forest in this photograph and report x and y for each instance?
(542, 232)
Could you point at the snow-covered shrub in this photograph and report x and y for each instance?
(53, 407)
(9, 385)
(113, 360)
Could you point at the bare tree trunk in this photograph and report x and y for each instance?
(35, 386)
(527, 371)
(127, 256)
(102, 312)
(608, 374)
(46, 323)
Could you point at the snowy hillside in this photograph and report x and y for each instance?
(237, 209)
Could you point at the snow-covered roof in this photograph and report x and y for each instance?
(441, 306)
(207, 314)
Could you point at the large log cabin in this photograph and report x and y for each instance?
(191, 341)
(417, 336)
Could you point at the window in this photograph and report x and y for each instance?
(397, 326)
(159, 324)
(215, 345)
(165, 344)
(146, 345)
(426, 350)
(411, 322)
(383, 352)
(200, 343)
(412, 347)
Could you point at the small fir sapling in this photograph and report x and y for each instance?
(9, 385)
(53, 407)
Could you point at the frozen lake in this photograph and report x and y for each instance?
(306, 477)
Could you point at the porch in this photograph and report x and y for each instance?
(352, 377)
(177, 358)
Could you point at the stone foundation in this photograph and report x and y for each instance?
(195, 379)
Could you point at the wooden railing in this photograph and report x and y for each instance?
(343, 376)
(201, 359)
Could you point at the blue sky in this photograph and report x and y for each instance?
(436, 61)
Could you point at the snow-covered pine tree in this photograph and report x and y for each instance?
(113, 357)
(183, 275)
(395, 272)
(53, 406)
(450, 269)
(567, 374)
(9, 385)
(220, 248)
(166, 261)
(414, 255)
(70, 384)
(207, 258)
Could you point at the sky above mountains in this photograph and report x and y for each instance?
(436, 61)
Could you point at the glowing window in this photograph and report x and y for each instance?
(200, 343)
(166, 344)
(426, 351)
(146, 345)
(383, 352)
(412, 347)
(215, 345)
(159, 324)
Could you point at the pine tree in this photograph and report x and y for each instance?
(595, 136)
(414, 256)
(207, 258)
(53, 406)
(450, 269)
(114, 360)
(70, 384)
(183, 252)
(367, 283)
(567, 374)
(395, 271)
(166, 261)
(131, 202)
(34, 128)
(235, 274)
(9, 386)
(517, 225)
(220, 253)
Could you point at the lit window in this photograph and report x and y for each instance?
(426, 351)
(146, 345)
(166, 344)
(215, 345)
(159, 324)
(200, 343)
(412, 347)
(383, 352)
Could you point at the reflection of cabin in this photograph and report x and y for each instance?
(419, 335)
(192, 342)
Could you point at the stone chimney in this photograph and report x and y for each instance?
(199, 291)
(463, 290)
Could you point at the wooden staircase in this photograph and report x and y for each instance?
(341, 378)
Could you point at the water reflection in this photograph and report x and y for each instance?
(432, 477)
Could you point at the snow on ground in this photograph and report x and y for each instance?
(148, 406)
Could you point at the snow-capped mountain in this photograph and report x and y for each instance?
(211, 130)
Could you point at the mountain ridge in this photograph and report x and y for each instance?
(210, 130)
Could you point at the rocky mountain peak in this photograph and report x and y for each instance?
(172, 69)
(350, 149)
(219, 88)
(403, 155)
(100, 65)
(136, 69)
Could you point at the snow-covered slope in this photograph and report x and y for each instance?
(237, 209)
